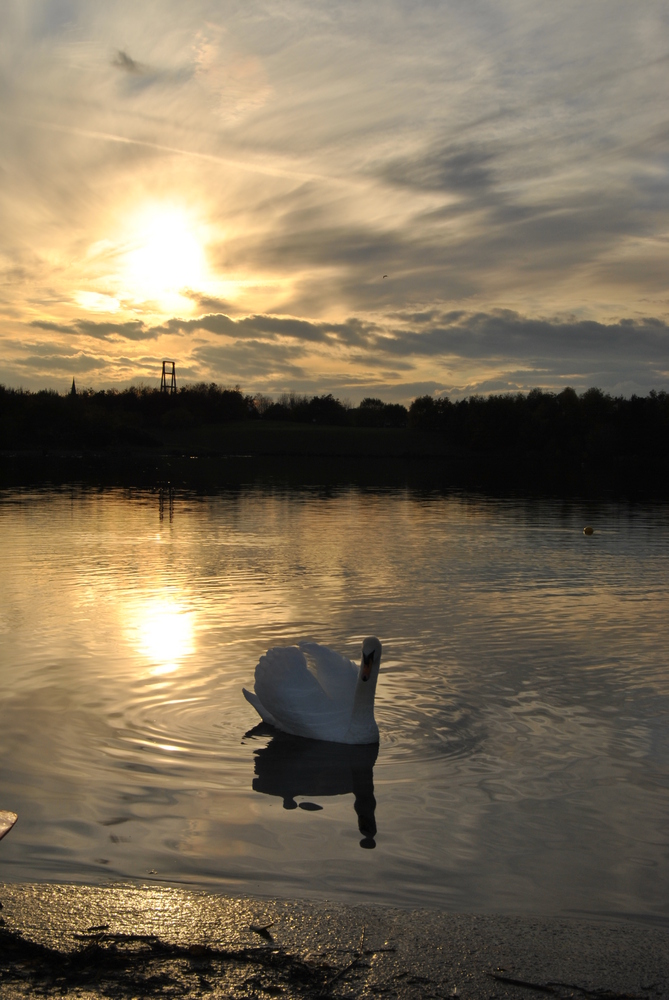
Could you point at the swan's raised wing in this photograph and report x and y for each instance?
(291, 694)
(336, 674)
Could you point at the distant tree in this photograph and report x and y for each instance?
(304, 410)
(374, 412)
(326, 410)
(262, 403)
(428, 413)
(277, 411)
(423, 413)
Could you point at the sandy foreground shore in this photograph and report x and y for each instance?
(81, 941)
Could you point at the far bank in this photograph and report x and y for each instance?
(293, 456)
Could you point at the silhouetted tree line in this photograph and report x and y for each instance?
(138, 416)
(562, 425)
(329, 410)
(557, 425)
(134, 416)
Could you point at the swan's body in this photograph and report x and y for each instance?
(328, 698)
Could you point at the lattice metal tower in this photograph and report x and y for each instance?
(168, 381)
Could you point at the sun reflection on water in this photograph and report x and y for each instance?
(162, 630)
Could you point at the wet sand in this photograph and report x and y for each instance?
(88, 942)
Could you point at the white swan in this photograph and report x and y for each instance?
(328, 698)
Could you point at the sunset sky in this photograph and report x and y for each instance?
(228, 183)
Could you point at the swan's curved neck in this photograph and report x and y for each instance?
(362, 716)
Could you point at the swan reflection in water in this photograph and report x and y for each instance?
(292, 765)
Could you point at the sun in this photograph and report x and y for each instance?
(164, 257)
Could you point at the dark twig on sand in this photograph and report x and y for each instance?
(356, 961)
(543, 988)
(550, 987)
(599, 994)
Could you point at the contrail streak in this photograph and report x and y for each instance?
(262, 168)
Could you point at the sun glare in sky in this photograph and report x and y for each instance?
(165, 257)
(97, 302)
(440, 202)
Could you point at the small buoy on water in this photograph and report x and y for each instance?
(587, 530)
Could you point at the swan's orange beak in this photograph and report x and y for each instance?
(366, 668)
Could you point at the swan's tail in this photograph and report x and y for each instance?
(254, 700)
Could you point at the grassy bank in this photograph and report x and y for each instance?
(305, 440)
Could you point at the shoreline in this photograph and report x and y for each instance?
(125, 941)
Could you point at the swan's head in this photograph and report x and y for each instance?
(371, 657)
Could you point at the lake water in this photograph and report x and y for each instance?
(523, 700)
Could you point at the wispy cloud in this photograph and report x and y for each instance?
(129, 330)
